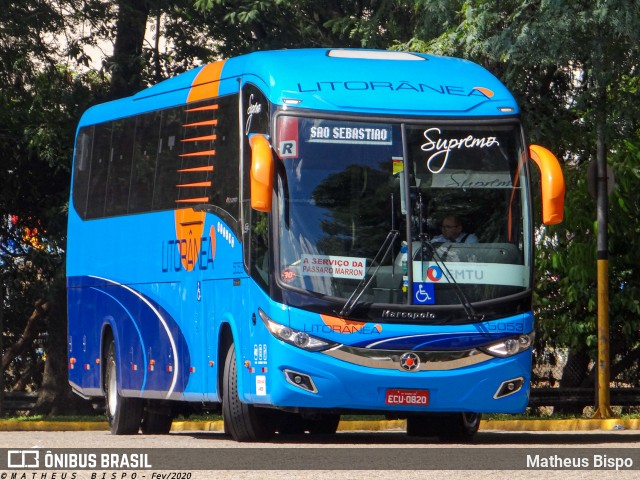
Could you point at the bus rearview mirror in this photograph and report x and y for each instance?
(552, 184)
(261, 173)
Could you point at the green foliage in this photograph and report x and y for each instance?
(566, 285)
(37, 149)
(40, 105)
(261, 24)
(572, 65)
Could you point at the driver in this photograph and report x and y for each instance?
(453, 232)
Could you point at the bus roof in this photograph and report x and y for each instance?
(376, 82)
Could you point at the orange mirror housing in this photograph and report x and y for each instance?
(261, 173)
(552, 183)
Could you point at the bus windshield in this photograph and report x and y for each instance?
(347, 185)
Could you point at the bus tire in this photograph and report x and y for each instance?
(244, 422)
(448, 427)
(156, 420)
(124, 414)
(460, 427)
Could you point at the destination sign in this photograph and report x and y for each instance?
(349, 132)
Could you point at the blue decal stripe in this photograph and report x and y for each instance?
(164, 325)
(135, 324)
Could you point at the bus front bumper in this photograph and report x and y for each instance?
(300, 379)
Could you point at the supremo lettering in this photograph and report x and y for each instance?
(442, 147)
(196, 252)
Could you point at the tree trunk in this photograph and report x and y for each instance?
(127, 62)
(31, 330)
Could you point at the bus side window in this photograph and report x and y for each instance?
(260, 247)
(166, 176)
(224, 191)
(99, 171)
(145, 155)
(82, 171)
(119, 171)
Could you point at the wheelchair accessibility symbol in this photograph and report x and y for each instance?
(423, 293)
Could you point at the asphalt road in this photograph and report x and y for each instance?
(337, 455)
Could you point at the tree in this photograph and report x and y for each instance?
(249, 25)
(126, 64)
(573, 66)
(40, 103)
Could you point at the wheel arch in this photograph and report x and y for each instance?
(225, 339)
(107, 336)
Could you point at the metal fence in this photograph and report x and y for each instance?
(570, 384)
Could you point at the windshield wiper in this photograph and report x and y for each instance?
(352, 301)
(384, 249)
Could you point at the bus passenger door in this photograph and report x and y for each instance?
(210, 340)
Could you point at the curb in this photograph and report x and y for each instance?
(568, 425)
(50, 426)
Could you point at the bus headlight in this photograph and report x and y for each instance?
(294, 337)
(510, 346)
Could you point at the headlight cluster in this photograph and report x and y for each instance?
(510, 346)
(294, 337)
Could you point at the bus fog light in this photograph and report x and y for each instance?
(509, 387)
(300, 380)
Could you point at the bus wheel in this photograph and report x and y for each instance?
(124, 414)
(325, 424)
(459, 427)
(448, 427)
(156, 420)
(244, 422)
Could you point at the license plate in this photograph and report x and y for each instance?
(407, 397)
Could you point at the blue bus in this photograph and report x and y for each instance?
(270, 236)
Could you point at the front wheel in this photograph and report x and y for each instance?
(244, 422)
(123, 414)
